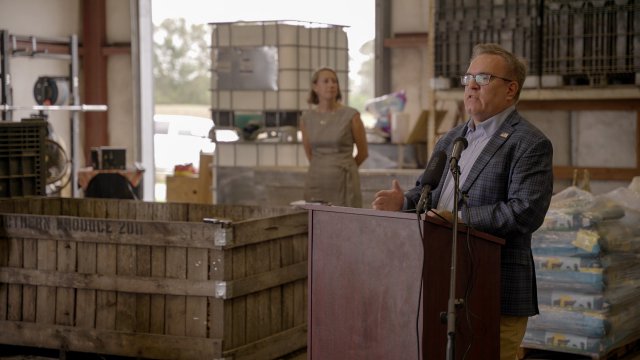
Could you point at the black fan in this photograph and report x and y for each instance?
(57, 165)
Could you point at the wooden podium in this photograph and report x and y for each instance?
(365, 269)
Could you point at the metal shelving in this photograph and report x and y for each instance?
(62, 48)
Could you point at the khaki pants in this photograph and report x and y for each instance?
(512, 329)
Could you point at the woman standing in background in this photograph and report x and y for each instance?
(329, 131)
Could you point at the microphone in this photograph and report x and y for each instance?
(431, 177)
(458, 147)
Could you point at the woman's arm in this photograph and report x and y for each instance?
(360, 139)
(305, 140)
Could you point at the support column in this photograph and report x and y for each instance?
(94, 71)
(382, 62)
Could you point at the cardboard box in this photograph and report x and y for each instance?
(193, 189)
(109, 158)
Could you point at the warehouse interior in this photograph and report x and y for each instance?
(582, 91)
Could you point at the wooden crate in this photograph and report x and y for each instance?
(153, 280)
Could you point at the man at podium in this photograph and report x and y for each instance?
(506, 180)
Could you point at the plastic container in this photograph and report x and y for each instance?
(22, 158)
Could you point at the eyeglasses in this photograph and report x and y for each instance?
(481, 79)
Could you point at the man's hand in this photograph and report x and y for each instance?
(446, 214)
(389, 200)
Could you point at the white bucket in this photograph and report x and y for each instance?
(400, 127)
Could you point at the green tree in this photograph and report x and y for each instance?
(366, 71)
(181, 63)
(363, 90)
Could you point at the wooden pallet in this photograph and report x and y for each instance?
(628, 351)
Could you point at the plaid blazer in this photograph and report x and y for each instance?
(507, 192)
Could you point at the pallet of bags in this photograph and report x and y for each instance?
(588, 273)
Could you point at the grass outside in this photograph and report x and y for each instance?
(184, 109)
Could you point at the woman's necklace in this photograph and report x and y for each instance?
(327, 115)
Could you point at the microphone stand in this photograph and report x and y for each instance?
(451, 305)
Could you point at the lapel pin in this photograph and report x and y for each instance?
(504, 135)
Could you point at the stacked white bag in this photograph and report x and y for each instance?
(587, 257)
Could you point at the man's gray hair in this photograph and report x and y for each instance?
(516, 66)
